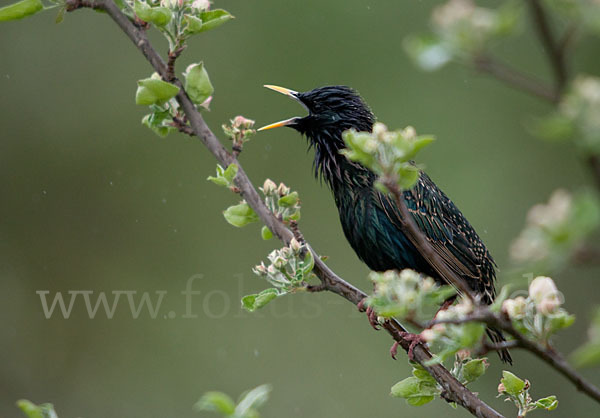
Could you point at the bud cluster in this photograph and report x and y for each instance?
(556, 230)
(405, 294)
(387, 153)
(281, 200)
(539, 315)
(288, 271)
(517, 391)
(239, 131)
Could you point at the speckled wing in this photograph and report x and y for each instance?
(448, 231)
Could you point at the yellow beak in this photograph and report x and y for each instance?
(282, 90)
(287, 92)
(277, 124)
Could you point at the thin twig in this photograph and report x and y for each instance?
(173, 55)
(514, 78)
(454, 391)
(553, 49)
(552, 357)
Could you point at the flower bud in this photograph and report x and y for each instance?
(271, 270)
(409, 132)
(501, 389)
(242, 122)
(295, 245)
(283, 190)
(269, 187)
(279, 262)
(544, 293)
(515, 308)
(201, 4)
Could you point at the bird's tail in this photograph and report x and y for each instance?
(497, 337)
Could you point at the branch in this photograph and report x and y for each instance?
(552, 357)
(554, 50)
(514, 78)
(454, 391)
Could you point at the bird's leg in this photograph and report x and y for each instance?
(414, 339)
(371, 315)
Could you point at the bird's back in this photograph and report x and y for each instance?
(371, 223)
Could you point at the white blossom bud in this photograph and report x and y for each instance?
(283, 190)
(295, 245)
(544, 293)
(269, 187)
(515, 308)
(201, 4)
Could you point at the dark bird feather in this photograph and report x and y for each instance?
(370, 219)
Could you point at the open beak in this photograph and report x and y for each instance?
(291, 93)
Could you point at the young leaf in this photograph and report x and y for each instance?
(194, 25)
(549, 403)
(513, 385)
(266, 233)
(474, 369)
(154, 91)
(240, 215)
(20, 10)
(214, 18)
(252, 400)
(160, 16)
(197, 83)
(215, 402)
(32, 410)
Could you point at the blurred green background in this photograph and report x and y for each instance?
(92, 200)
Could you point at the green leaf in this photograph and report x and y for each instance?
(194, 25)
(560, 320)
(408, 175)
(266, 233)
(308, 263)
(513, 385)
(416, 392)
(154, 91)
(248, 302)
(474, 369)
(32, 410)
(216, 402)
(20, 10)
(240, 215)
(420, 373)
(230, 172)
(160, 16)
(265, 297)
(159, 121)
(549, 403)
(214, 18)
(197, 83)
(252, 399)
(289, 200)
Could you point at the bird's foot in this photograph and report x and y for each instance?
(371, 315)
(414, 339)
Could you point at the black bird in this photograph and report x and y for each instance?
(369, 218)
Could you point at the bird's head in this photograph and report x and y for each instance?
(331, 111)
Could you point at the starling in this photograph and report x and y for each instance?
(370, 218)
